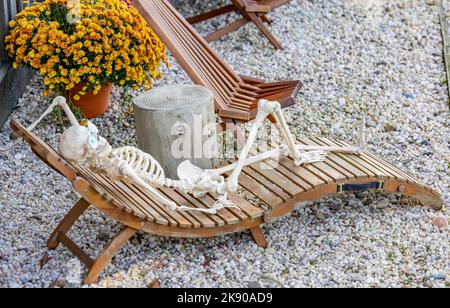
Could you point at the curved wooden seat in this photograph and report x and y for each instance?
(277, 187)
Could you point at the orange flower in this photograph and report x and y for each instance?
(112, 43)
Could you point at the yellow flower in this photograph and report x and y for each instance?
(76, 97)
(111, 43)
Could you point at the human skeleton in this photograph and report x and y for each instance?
(82, 144)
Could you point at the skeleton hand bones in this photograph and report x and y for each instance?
(83, 144)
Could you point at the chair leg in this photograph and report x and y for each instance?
(258, 237)
(155, 284)
(259, 23)
(79, 208)
(224, 31)
(208, 15)
(104, 259)
(266, 19)
(239, 135)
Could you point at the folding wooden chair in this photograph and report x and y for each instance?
(236, 97)
(251, 10)
(277, 188)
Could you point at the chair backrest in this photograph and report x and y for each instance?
(203, 65)
(45, 152)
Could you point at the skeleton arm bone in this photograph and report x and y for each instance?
(57, 102)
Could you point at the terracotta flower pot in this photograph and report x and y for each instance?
(92, 105)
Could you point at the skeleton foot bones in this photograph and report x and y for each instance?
(82, 144)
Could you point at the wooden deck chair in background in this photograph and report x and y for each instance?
(251, 10)
(236, 97)
(276, 187)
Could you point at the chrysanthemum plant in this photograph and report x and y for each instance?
(89, 42)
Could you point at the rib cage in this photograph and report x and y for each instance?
(143, 163)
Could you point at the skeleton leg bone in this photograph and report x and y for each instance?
(318, 153)
(362, 135)
(264, 110)
(299, 158)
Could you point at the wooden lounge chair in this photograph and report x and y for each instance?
(251, 10)
(279, 190)
(236, 97)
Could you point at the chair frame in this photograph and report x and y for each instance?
(281, 189)
(236, 96)
(251, 11)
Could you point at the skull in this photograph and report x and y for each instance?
(77, 142)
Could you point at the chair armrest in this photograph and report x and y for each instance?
(251, 80)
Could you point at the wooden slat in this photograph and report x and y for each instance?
(191, 50)
(218, 221)
(237, 212)
(339, 160)
(285, 172)
(197, 219)
(306, 175)
(128, 205)
(360, 162)
(383, 166)
(389, 168)
(106, 193)
(172, 216)
(274, 188)
(272, 174)
(394, 169)
(334, 172)
(249, 209)
(225, 214)
(210, 14)
(260, 191)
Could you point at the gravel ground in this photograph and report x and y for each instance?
(381, 58)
